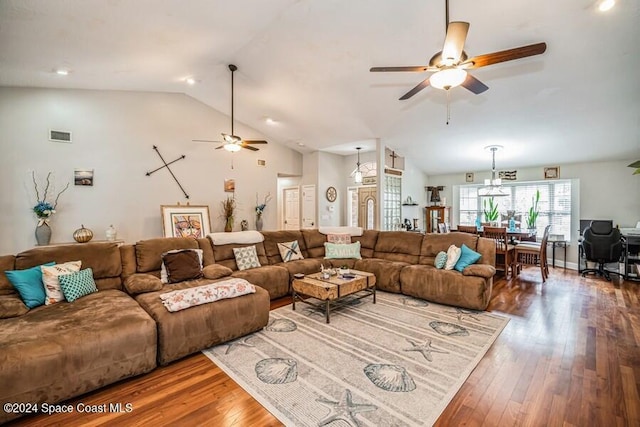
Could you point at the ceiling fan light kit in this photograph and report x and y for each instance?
(450, 64)
(232, 142)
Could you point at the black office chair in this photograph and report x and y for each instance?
(601, 243)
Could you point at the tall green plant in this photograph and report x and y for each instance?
(532, 217)
(490, 213)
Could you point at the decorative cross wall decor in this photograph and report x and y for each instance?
(166, 165)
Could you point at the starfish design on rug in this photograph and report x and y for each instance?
(344, 410)
(238, 343)
(425, 349)
(461, 313)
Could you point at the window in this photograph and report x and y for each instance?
(554, 205)
(392, 201)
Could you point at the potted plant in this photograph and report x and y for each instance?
(490, 212)
(532, 216)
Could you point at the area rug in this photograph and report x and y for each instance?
(398, 362)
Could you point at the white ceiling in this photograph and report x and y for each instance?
(305, 63)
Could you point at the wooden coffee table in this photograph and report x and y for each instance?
(331, 291)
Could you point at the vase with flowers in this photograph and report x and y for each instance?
(228, 209)
(43, 210)
(260, 207)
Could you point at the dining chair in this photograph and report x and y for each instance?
(468, 229)
(533, 254)
(505, 251)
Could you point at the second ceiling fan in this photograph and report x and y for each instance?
(450, 65)
(232, 142)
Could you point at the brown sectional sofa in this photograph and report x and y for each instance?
(52, 353)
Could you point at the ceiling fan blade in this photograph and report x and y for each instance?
(248, 147)
(219, 147)
(254, 141)
(416, 89)
(410, 68)
(505, 55)
(454, 42)
(474, 85)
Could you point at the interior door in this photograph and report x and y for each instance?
(367, 208)
(308, 206)
(291, 208)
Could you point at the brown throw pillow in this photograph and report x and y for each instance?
(216, 271)
(181, 266)
(140, 283)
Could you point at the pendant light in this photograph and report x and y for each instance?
(493, 186)
(357, 176)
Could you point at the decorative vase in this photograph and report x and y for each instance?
(228, 227)
(82, 234)
(259, 222)
(111, 233)
(43, 234)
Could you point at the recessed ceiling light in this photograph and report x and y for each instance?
(190, 81)
(62, 72)
(606, 5)
(300, 144)
(270, 121)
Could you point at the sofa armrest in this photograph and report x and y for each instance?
(141, 283)
(11, 306)
(482, 270)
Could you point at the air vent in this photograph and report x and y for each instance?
(59, 135)
(262, 162)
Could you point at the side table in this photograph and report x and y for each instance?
(560, 244)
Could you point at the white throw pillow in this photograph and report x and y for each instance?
(50, 275)
(246, 257)
(164, 277)
(453, 254)
(290, 251)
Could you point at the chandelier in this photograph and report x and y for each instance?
(493, 186)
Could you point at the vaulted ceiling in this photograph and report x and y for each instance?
(305, 64)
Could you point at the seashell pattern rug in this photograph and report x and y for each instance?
(398, 362)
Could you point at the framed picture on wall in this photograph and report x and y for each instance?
(185, 221)
(552, 173)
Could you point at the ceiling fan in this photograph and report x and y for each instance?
(450, 65)
(232, 142)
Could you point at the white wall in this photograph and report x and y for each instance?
(331, 174)
(605, 190)
(113, 133)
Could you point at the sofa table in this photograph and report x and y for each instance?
(332, 290)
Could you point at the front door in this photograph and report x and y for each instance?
(367, 208)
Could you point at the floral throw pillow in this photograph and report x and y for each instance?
(340, 239)
(50, 278)
(246, 257)
(290, 251)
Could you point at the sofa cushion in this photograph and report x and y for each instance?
(304, 266)
(149, 252)
(367, 242)
(140, 283)
(314, 242)
(102, 257)
(246, 258)
(272, 238)
(11, 306)
(467, 257)
(398, 246)
(387, 272)
(50, 278)
(216, 271)
(340, 251)
(180, 265)
(54, 353)
(446, 286)
(439, 242)
(28, 283)
(274, 278)
(78, 284)
(290, 251)
(7, 262)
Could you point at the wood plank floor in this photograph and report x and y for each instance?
(570, 356)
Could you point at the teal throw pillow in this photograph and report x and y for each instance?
(441, 260)
(28, 283)
(78, 284)
(342, 251)
(467, 257)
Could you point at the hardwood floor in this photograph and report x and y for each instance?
(570, 356)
